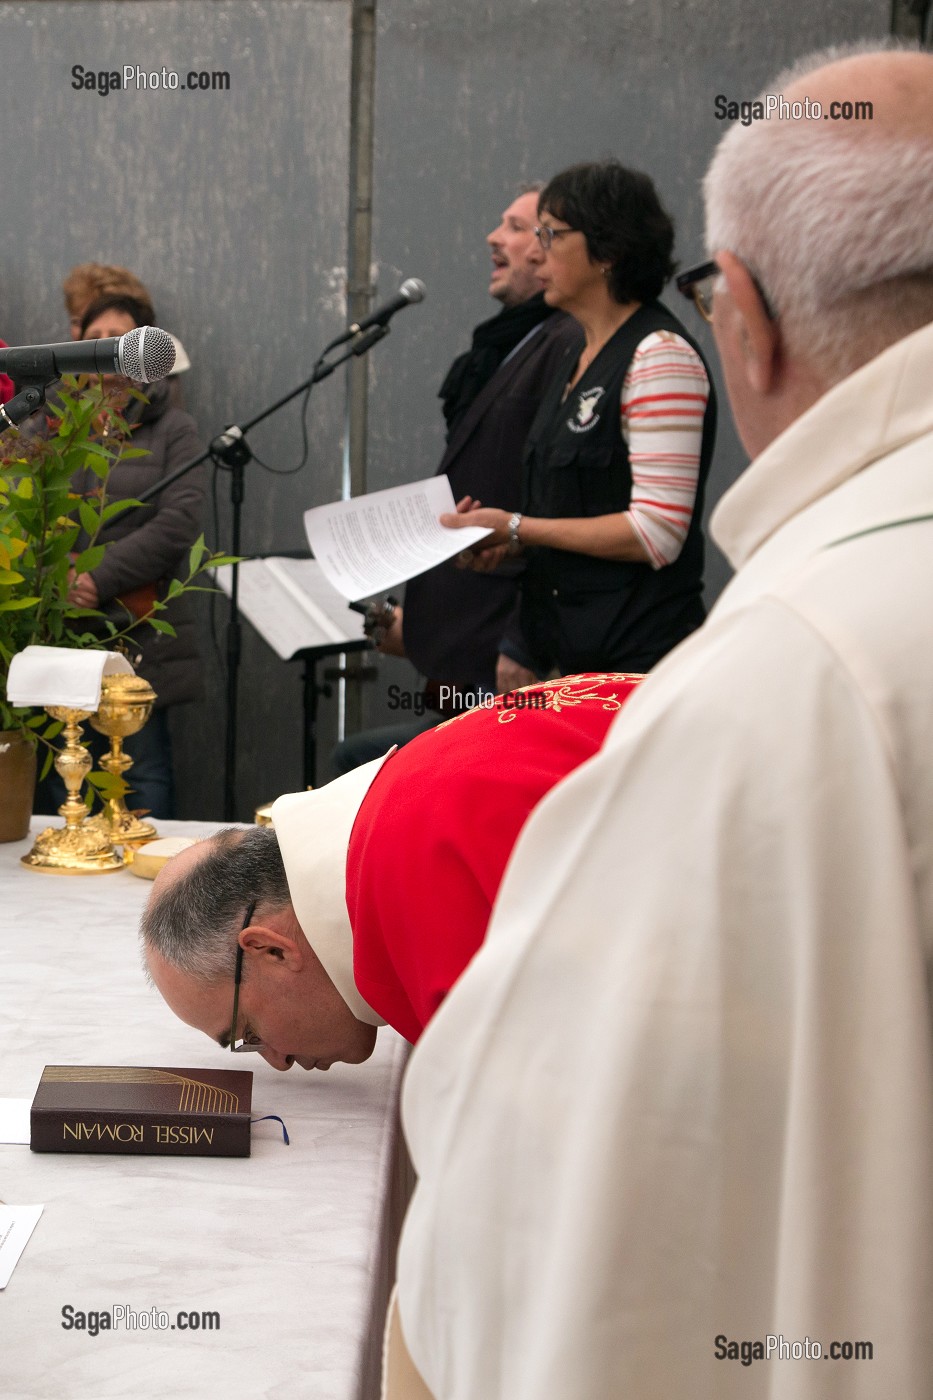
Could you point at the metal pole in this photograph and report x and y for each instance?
(359, 286)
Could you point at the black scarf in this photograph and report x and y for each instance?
(492, 342)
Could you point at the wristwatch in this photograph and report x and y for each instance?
(515, 544)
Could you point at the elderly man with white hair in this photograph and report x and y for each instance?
(674, 1127)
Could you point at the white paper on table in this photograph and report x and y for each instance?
(292, 606)
(374, 542)
(14, 1120)
(16, 1225)
(62, 676)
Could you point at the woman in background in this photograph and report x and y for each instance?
(617, 458)
(88, 282)
(147, 547)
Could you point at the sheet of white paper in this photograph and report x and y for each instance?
(374, 542)
(16, 1225)
(292, 606)
(14, 1120)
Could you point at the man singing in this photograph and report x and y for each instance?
(457, 627)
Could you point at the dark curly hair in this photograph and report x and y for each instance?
(140, 311)
(624, 223)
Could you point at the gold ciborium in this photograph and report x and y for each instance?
(125, 704)
(76, 848)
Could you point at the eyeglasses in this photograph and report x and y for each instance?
(546, 235)
(251, 1042)
(697, 283)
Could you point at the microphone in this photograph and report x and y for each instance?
(411, 290)
(144, 354)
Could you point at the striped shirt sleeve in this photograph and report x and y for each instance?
(663, 402)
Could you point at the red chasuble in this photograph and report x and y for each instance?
(432, 838)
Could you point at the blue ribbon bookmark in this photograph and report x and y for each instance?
(278, 1120)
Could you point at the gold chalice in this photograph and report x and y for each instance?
(76, 848)
(125, 705)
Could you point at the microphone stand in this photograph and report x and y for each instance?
(231, 450)
(23, 404)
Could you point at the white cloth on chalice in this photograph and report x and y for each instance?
(62, 676)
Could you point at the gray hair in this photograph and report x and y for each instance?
(193, 923)
(837, 230)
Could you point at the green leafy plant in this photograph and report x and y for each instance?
(41, 520)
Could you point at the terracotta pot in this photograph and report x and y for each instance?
(17, 784)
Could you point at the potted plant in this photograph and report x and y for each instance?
(40, 523)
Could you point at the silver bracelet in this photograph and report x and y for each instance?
(515, 544)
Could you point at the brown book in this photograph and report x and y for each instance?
(116, 1108)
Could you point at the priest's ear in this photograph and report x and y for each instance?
(265, 938)
(746, 330)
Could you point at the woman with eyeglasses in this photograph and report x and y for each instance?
(617, 458)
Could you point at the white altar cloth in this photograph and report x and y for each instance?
(293, 1246)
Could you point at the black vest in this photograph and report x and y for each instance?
(586, 614)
